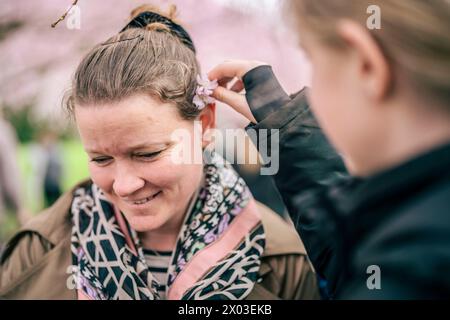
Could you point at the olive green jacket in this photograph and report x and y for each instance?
(36, 261)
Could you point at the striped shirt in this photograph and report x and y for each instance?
(158, 264)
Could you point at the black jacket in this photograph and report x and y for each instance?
(396, 222)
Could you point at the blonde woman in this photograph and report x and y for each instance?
(382, 98)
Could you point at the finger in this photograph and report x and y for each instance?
(224, 81)
(228, 69)
(233, 68)
(238, 86)
(235, 100)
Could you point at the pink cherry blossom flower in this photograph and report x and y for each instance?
(205, 88)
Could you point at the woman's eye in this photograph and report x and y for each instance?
(101, 161)
(147, 156)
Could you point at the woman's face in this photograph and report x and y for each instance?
(130, 145)
(341, 103)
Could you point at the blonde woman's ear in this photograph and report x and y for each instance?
(372, 69)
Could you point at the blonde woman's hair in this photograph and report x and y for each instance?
(414, 35)
(149, 60)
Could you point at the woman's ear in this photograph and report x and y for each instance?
(373, 69)
(208, 120)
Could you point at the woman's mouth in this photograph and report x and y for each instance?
(145, 200)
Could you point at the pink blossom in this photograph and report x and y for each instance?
(205, 88)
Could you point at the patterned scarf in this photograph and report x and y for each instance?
(217, 255)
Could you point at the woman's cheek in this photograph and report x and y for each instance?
(163, 172)
(315, 96)
(101, 176)
(179, 178)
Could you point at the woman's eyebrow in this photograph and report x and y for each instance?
(147, 145)
(130, 148)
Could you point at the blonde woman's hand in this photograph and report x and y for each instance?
(229, 75)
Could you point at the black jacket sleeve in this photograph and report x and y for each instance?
(309, 167)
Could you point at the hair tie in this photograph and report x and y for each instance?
(147, 17)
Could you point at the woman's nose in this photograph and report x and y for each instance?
(126, 183)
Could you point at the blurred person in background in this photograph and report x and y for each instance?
(378, 227)
(10, 177)
(53, 168)
(46, 168)
(144, 226)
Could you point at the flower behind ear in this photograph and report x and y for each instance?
(205, 88)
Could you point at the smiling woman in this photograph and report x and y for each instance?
(130, 160)
(144, 226)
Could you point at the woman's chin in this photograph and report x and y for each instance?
(142, 223)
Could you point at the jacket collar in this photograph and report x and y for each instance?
(375, 198)
(426, 169)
